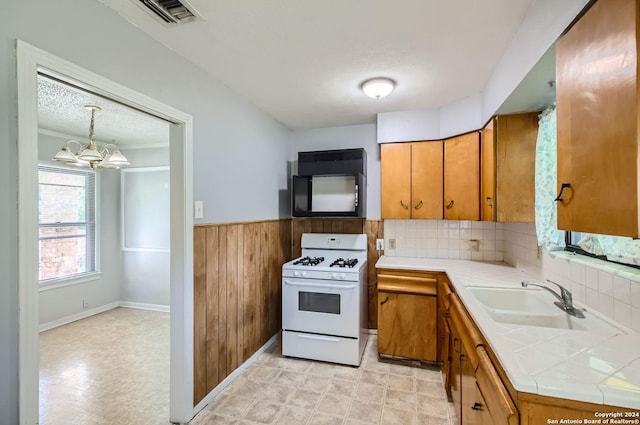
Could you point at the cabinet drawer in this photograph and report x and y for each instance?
(407, 282)
(495, 395)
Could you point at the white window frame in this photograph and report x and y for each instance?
(60, 282)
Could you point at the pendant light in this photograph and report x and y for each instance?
(92, 155)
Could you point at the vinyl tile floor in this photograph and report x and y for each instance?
(287, 391)
(111, 368)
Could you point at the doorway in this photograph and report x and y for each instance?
(30, 60)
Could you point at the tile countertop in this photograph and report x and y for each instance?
(572, 364)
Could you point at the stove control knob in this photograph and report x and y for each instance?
(338, 276)
(297, 273)
(303, 273)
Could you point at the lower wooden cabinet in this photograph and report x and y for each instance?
(407, 314)
(478, 394)
(494, 401)
(420, 316)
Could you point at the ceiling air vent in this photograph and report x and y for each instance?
(171, 11)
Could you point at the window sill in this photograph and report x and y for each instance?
(69, 281)
(609, 267)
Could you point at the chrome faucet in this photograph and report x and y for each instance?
(565, 299)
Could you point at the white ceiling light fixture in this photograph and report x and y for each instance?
(378, 87)
(92, 155)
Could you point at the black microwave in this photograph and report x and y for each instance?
(330, 183)
(329, 196)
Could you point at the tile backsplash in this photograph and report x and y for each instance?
(611, 289)
(452, 239)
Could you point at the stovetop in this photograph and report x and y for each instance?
(312, 262)
(349, 262)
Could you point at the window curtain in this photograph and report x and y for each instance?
(546, 175)
(615, 248)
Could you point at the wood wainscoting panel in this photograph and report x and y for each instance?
(237, 294)
(374, 230)
(322, 225)
(199, 312)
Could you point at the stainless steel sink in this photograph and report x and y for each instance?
(534, 307)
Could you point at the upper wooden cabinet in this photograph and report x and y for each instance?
(488, 172)
(411, 180)
(516, 137)
(597, 119)
(431, 180)
(462, 177)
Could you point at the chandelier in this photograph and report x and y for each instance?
(92, 155)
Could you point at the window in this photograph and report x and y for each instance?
(67, 221)
(616, 249)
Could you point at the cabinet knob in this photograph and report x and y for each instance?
(562, 188)
(476, 406)
(405, 206)
(489, 202)
(450, 205)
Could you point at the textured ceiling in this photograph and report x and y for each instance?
(303, 61)
(61, 110)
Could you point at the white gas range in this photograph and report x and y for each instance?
(324, 299)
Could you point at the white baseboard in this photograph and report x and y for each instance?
(221, 386)
(82, 315)
(144, 306)
(87, 313)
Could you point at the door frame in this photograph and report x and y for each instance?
(29, 60)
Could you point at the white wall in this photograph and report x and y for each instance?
(353, 136)
(146, 278)
(235, 144)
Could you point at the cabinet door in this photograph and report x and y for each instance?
(472, 406)
(395, 180)
(426, 180)
(407, 325)
(495, 397)
(455, 369)
(462, 177)
(597, 119)
(488, 172)
(516, 138)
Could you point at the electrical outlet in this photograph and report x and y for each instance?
(392, 244)
(85, 304)
(539, 252)
(474, 245)
(380, 244)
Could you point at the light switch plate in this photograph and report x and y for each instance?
(198, 209)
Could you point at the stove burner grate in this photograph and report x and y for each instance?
(308, 261)
(341, 262)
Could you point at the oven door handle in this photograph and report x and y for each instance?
(318, 285)
(318, 337)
